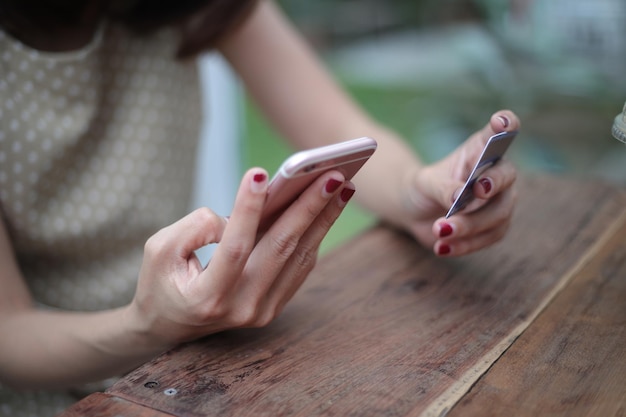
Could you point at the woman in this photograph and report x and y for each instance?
(98, 127)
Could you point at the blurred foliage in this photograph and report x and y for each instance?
(330, 22)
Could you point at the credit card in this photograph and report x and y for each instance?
(492, 152)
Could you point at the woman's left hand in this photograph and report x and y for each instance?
(434, 187)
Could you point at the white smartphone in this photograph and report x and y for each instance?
(302, 168)
(492, 152)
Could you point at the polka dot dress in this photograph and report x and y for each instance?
(97, 151)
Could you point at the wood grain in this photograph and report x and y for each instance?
(572, 360)
(103, 405)
(382, 327)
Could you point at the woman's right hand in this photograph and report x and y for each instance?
(247, 283)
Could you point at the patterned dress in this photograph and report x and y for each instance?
(97, 152)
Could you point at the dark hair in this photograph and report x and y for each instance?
(202, 22)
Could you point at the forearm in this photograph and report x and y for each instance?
(305, 104)
(383, 182)
(50, 349)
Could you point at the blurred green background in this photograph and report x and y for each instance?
(435, 70)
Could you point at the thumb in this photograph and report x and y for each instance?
(197, 229)
(434, 190)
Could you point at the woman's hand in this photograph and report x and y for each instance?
(247, 282)
(432, 190)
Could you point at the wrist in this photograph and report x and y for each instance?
(139, 332)
(417, 199)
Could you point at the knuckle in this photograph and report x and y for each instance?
(155, 245)
(284, 244)
(245, 316)
(310, 207)
(271, 313)
(312, 211)
(305, 258)
(327, 219)
(212, 310)
(206, 219)
(205, 215)
(236, 252)
(265, 319)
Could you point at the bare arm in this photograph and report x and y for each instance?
(308, 108)
(247, 284)
(305, 104)
(43, 348)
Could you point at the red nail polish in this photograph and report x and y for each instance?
(486, 184)
(346, 194)
(332, 185)
(443, 249)
(445, 230)
(259, 177)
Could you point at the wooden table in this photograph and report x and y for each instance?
(535, 326)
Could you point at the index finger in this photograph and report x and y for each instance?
(239, 236)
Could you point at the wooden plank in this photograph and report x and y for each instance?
(103, 405)
(382, 327)
(572, 360)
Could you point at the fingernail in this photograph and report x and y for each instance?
(346, 194)
(445, 229)
(486, 184)
(505, 121)
(258, 182)
(332, 185)
(443, 249)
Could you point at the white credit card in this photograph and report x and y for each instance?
(492, 152)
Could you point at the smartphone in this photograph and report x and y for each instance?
(492, 152)
(302, 168)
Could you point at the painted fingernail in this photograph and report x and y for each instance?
(259, 182)
(332, 185)
(443, 249)
(505, 121)
(346, 194)
(445, 229)
(486, 184)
